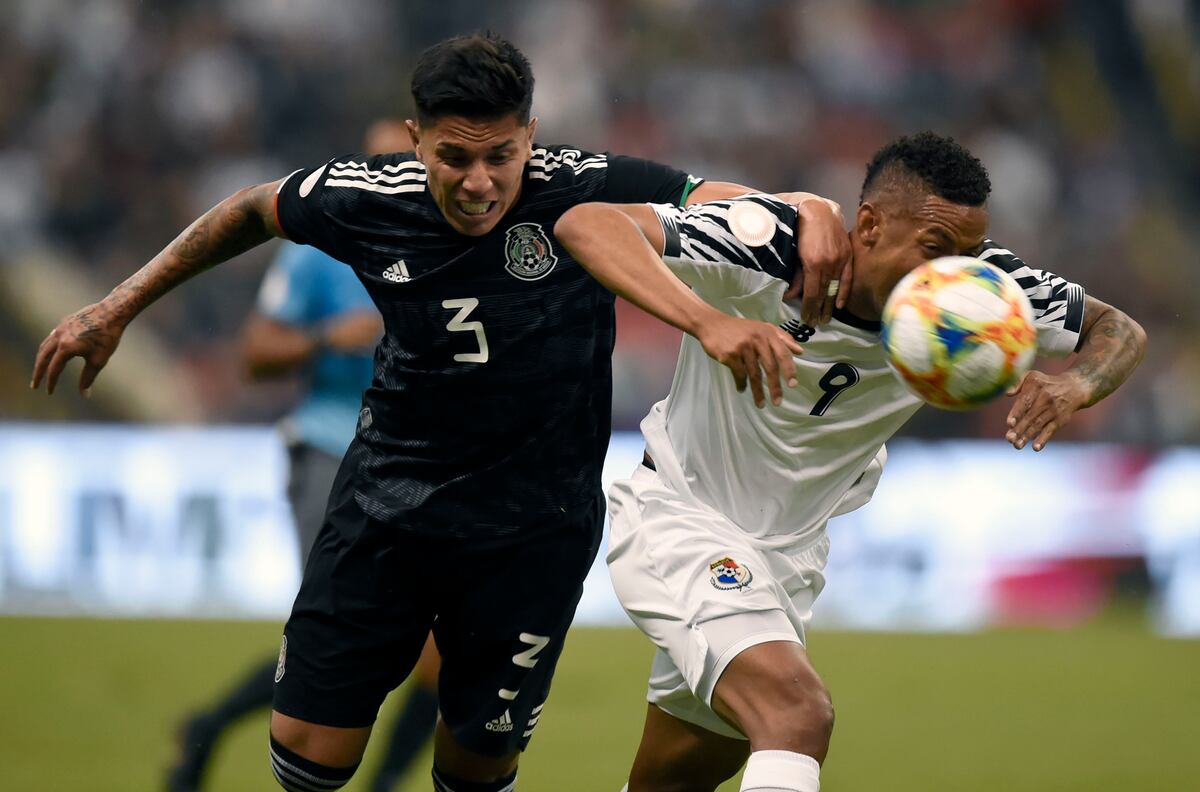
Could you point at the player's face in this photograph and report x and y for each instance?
(475, 168)
(891, 241)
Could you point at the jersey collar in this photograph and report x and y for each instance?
(845, 317)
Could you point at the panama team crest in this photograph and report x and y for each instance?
(528, 252)
(728, 574)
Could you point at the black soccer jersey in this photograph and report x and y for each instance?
(490, 407)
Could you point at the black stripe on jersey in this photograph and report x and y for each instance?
(765, 258)
(1002, 258)
(702, 232)
(1075, 301)
(1054, 300)
(670, 227)
(722, 249)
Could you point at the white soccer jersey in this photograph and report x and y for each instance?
(780, 473)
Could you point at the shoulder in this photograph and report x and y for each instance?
(384, 194)
(563, 163)
(995, 253)
(365, 177)
(558, 177)
(734, 247)
(561, 172)
(741, 224)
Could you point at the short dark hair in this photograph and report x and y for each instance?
(480, 76)
(944, 168)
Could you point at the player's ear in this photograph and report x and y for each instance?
(866, 224)
(414, 134)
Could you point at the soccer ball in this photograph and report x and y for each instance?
(958, 332)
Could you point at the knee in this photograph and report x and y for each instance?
(792, 715)
(818, 709)
(298, 774)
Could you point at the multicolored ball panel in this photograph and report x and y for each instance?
(959, 332)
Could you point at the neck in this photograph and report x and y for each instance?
(863, 302)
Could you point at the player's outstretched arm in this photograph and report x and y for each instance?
(235, 225)
(621, 245)
(826, 270)
(1111, 346)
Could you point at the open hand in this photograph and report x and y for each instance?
(1044, 403)
(751, 349)
(91, 334)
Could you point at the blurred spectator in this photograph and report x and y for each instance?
(121, 121)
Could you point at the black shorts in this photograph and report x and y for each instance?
(499, 610)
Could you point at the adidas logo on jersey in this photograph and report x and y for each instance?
(502, 724)
(397, 273)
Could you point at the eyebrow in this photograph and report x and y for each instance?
(456, 147)
(940, 233)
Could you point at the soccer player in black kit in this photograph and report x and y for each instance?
(469, 502)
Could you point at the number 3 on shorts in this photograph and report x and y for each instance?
(457, 324)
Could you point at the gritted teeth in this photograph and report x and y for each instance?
(475, 207)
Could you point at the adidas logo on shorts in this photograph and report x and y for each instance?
(502, 724)
(397, 273)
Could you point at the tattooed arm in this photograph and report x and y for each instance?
(235, 225)
(1110, 347)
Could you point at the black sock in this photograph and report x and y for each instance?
(445, 783)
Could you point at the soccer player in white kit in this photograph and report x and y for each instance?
(718, 540)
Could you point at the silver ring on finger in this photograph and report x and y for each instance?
(832, 289)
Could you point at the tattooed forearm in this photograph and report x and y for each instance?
(193, 242)
(231, 227)
(1111, 350)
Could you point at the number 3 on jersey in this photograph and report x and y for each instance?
(458, 324)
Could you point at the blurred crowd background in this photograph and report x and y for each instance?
(121, 121)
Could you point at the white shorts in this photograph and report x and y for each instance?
(702, 590)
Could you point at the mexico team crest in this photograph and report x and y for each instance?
(527, 252)
(728, 574)
(279, 668)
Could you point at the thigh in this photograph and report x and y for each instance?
(428, 665)
(501, 630)
(358, 623)
(695, 584)
(327, 745)
(676, 756)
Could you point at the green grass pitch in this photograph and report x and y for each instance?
(92, 704)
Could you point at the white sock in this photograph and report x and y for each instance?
(781, 771)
